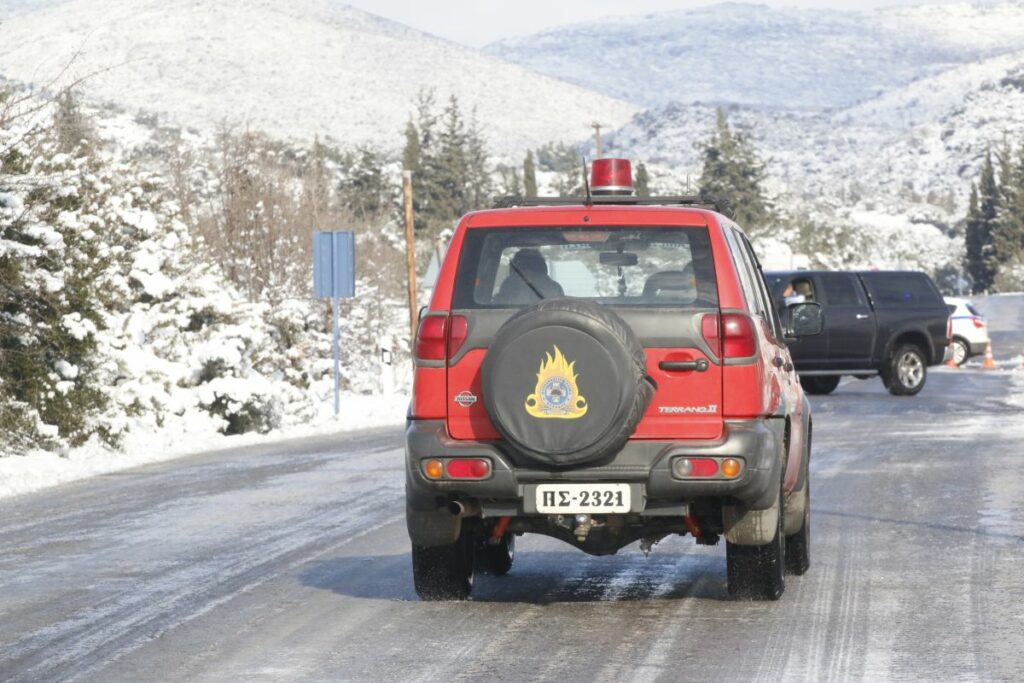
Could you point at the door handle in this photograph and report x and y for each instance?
(678, 365)
(863, 316)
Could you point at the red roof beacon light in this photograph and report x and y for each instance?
(611, 177)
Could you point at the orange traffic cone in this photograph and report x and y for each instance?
(951, 363)
(989, 363)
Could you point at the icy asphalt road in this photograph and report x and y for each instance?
(291, 562)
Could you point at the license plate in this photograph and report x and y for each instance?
(582, 498)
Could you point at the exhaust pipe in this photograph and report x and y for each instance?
(461, 508)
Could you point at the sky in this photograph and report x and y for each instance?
(479, 22)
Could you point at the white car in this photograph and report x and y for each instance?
(969, 329)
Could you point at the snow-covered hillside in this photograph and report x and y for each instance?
(896, 170)
(293, 69)
(755, 55)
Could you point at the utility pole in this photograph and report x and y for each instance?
(597, 138)
(410, 256)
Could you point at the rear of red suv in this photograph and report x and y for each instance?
(605, 372)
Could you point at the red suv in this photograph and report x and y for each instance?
(605, 370)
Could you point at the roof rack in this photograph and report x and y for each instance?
(694, 201)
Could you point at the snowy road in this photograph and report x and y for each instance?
(290, 562)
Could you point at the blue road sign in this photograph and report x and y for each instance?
(334, 278)
(334, 265)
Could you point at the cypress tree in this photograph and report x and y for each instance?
(1008, 231)
(411, 151)
(642, 182)
(978, 234)
(529, 175)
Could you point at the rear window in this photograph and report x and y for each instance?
(901, 289)
(841, 289)
(617, 266)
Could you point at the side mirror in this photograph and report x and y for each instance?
(803, 320)
(419, 316)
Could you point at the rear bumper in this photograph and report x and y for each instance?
(646, 465)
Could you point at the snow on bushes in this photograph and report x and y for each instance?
(111, 322)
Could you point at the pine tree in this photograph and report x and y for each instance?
(73, 128)
(732, 176)
(366, 191)
(642, 182)
(981, 218)
(529, 175)
(511, 183)
(478, 177)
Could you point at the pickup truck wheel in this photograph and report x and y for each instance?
(758, 572)
(444, 572)
(905, 371)
(819, 385)
(496, 558)
(960, 351)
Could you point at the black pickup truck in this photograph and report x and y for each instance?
(889, 323)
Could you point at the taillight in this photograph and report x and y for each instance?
(458, 329)
(949, 328)
(431, 340)
(440, 337)
(707, 468)
(468, 468)
(738, 339)
(978, 322)
(709, 330)
(690, 468)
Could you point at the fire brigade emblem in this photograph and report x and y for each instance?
(556, 395)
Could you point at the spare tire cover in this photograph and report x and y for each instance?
(565, 382)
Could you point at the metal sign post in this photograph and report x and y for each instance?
(334, 278)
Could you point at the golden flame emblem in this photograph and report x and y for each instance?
(556, 395)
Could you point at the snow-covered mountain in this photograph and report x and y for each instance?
(926, 137)
(756, 55)
(897, 167)
(293, 69)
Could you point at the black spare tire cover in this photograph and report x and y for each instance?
(565, 382)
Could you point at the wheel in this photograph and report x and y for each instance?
(905, 371)
(798, 543)
(758, 572)
(496, 558)
(820, 385)
(444, 572)
(960, 351)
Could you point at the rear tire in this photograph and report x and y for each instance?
(496, 559)
(961, 351)
(905, 371)
(820, 385)
(444, 572)
(758, 572)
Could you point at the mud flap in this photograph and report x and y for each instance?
(432, 528)
(795, 506)
(749, 527)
